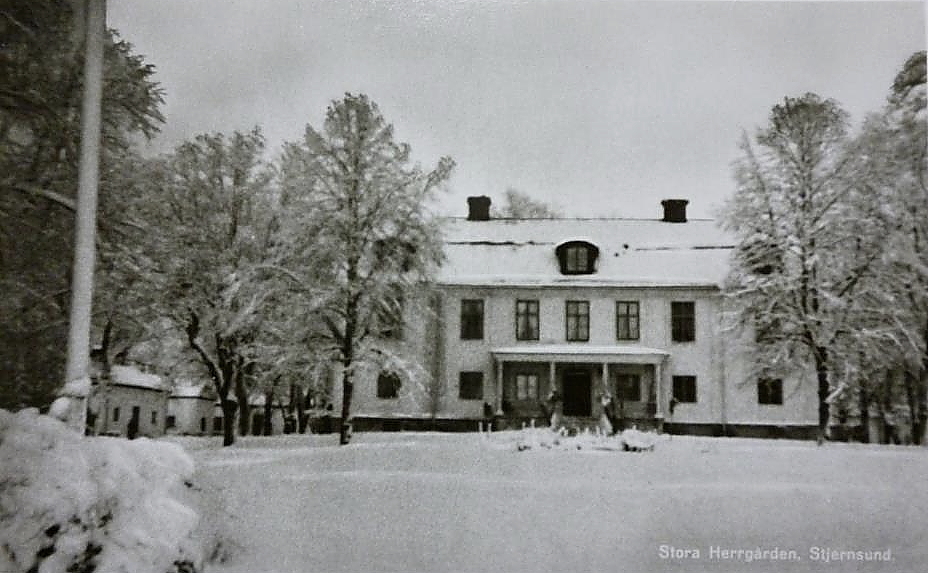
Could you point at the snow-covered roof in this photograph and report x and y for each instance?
(633, 252)
(132, 376)
(203, 391)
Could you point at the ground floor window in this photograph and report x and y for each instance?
(202, 424)
(154, 418)
(388, 385)
(684, 389)
(770, 391)
(217, 424)
(170, 422)
(470, 386)
(526, 386)
(115, 414)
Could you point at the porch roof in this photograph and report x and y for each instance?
(625, 353)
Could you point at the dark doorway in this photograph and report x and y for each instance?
(577, 393)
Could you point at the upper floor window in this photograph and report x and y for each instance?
(683, 321)
(471, 319)
(626, 320)
(527, 320)
(578, 320)
(390, 317)
(577, 257)
(388, 385)
(770, 391)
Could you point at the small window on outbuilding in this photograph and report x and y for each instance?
(577, 257)
(770, 391)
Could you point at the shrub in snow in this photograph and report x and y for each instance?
(75, 504)
(548, 439)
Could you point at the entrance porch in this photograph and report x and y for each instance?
(525, 377)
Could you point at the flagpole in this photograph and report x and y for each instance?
(77, 372)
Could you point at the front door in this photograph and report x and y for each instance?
(578, 399)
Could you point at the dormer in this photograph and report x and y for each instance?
(577, 257)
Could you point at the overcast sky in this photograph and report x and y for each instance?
(598, 107)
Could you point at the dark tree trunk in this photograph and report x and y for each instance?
(228, 421)
(344, 435)
(267, 430)
(864, 406)
(821, 369)
(244, 411)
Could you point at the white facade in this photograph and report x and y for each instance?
(190, 410)
(649, 263)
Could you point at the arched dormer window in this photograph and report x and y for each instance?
(577, 257)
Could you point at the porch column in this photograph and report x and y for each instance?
(606, 378)
(552, 379)
(658, 392)
(499, 388)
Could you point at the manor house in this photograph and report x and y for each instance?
(631, 308)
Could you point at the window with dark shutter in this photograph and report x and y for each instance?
(470, 386)
(577, 257)
(683, 321)
(684, 389)
(626, 320)
(388, 385)
(770, 391)
(578, 320)
(527, 320)
(471, 319)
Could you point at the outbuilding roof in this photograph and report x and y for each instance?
(632, 252)
(132, 376)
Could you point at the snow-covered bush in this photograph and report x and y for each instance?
(75, 504)
(548, 439)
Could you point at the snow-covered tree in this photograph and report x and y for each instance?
(362, 237)
(519, 205)
(40, 80)
(207, 220)
(804, 246)
(890, 176)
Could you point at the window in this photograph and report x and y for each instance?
(628, 387)
(526, 386)
(203, 425)
(526, 320)
(577, 257)
(470, 386)
(217, 424)
(171, 421)
(770, 391)
(578, 320)
(626, 320)
(684, 388)
(471, 319)
(115, 414)
(683, 321)
(154, 418)
(388, 385)
(390, 317)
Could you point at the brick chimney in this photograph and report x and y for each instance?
(674, 210)
(478, 208)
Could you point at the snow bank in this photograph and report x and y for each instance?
(69, 503)
(547, 439)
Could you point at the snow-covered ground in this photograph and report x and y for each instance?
(457, 502)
